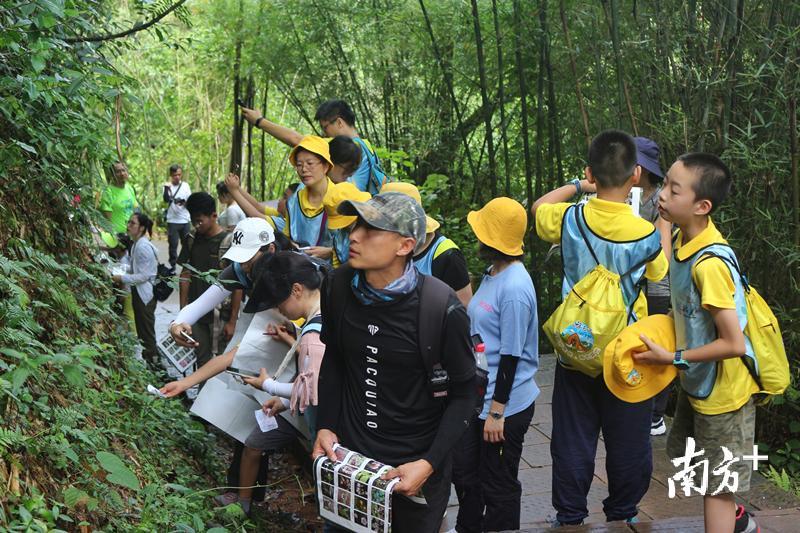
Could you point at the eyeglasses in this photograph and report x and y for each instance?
(299, 165)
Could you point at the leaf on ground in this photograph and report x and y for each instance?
(117, 471)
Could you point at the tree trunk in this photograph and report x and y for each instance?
(574, 69)
(263, 144)
(540, 102)
(449, 83)
(236, 134)
(487, 106)
(523, 103)
(501, 97)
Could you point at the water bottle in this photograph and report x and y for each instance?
(481, 374)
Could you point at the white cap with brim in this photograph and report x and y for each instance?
(249, 236)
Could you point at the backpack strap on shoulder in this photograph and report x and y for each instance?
(337, 283)
(580, 220)
(433, 311)
(728, 261)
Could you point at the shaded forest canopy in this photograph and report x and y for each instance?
(469, 99)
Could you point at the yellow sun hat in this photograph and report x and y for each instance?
(629, 380)
(501, 224)
(338, 193)
(409, 189)
(315, 145)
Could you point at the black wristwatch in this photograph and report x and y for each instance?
(258, 120)
(678, 361)
(496, 415)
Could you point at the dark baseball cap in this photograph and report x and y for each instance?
(647, 152)
(390, 211)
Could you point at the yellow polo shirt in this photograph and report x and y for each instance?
(613, 221)
(712, 277)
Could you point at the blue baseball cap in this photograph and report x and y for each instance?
(647, 152)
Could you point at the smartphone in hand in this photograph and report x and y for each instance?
(188, 338)
(241, 373)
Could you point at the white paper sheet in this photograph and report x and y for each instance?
(227, 409)
(265, 422)
(227, 403)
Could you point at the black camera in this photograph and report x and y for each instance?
(180, 202)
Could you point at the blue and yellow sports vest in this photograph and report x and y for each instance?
(694, 326)
(340, 239)
(305, 230)
(424, 263)
(580, 256)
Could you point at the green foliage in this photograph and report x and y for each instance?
(74, 405)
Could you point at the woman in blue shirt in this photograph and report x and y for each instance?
(503, 317)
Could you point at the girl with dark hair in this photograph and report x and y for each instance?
(143, 268)
(291, 283)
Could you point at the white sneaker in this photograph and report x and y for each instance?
(658, 427)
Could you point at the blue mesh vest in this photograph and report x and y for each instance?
(425, 263)
(694, 326)
(617, 256)
(340, 238)
(305, 230)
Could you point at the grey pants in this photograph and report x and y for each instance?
(175, 234)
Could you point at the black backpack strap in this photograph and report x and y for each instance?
(578, 217)
(337, 283)
(434, 307)
(708, 255)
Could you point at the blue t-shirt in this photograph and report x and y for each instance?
(503, 313)
(361, 178)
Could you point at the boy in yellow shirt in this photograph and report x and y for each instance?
(715, 405)
(603, 232)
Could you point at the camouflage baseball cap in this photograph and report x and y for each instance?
(390, 211)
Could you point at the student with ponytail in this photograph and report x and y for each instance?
(142, 275)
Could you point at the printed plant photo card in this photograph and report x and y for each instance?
(351, 493)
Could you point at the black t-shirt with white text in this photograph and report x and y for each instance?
(387, 410)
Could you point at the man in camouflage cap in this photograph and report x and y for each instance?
(376, 394)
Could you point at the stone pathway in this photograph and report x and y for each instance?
(775, 510)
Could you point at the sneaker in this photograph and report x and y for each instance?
(745, 523)
(226, 498)
(658, 427)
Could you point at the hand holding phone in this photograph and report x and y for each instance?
(188, 338)
(241, 373)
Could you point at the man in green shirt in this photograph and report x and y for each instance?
(118, 201)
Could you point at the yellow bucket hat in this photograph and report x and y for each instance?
(629, 380)
(337, 194)
(500, 224)
(315, 145)
(409, 189)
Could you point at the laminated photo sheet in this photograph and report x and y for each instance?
(351, 493)
(181, 357)
(226, 402)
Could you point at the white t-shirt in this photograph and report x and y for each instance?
(177, 214)
(231, 216)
